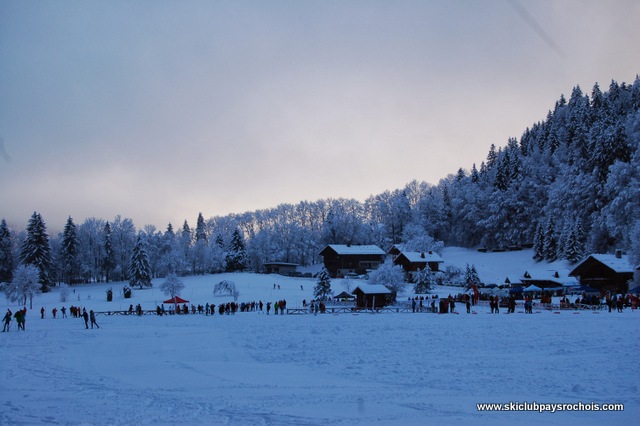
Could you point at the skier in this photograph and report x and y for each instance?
(64, 312)
(85, 316)
(42, 313)
(7, 321)
(92, 316)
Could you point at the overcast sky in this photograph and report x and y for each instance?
(159, 110)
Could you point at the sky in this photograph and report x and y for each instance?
(160, 110)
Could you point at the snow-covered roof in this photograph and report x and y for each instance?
(550, 275)
(372, 289)
(344, 249)
(417, 256)
(618, 264)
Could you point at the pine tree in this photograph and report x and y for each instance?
(471, 277)
(140, 271)
(36, 251)
(185, 242)
(69, 252)
(109, 260)
(201, 234)
(550, 249)
(573, 248)
(475, 175)
(424, 281)
(236, 258)
(200, 249)
(322, 289)
(6, 253)
(538, 242)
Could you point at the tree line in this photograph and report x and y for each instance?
(570, 186)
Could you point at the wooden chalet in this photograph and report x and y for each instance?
(372, 296)
(413, 261)
(344, 259)
(282, 268)
(605, 272)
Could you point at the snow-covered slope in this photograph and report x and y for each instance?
(495, 267)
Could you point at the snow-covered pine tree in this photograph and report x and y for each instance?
(109, 259)
(6, 253)
(571, 250)
(236, 258)
(185, 243)
(201, 248)
(424, 281)
(69, 253)
(201, 232)
(550, 248)
(322, 289)
(36, 250)
(25, 285)
(140, 271)
(471, 277)
(538, 242)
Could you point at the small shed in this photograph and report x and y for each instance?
(371, 295)
(344, 295)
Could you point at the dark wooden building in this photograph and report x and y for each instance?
(372, 296)
(282, 268)
(605, 272)
(341, 260)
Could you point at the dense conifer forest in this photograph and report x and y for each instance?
(568, 187)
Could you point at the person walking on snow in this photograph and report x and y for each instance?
(92, 316)
(20, 318)
(7, 321)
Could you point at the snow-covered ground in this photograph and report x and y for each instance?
(343, 369)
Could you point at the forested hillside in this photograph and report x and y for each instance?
(570, 185)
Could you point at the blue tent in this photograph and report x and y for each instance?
(515, 290)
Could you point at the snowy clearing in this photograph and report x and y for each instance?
(250, 368)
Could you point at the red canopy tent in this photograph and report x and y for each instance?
(176, 299)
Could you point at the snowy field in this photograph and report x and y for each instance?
(341, 369)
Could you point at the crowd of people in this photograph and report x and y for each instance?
(432, 303)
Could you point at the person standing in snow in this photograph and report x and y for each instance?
(7, 321)
(42, 313)
(92, 317)
(85, 316)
